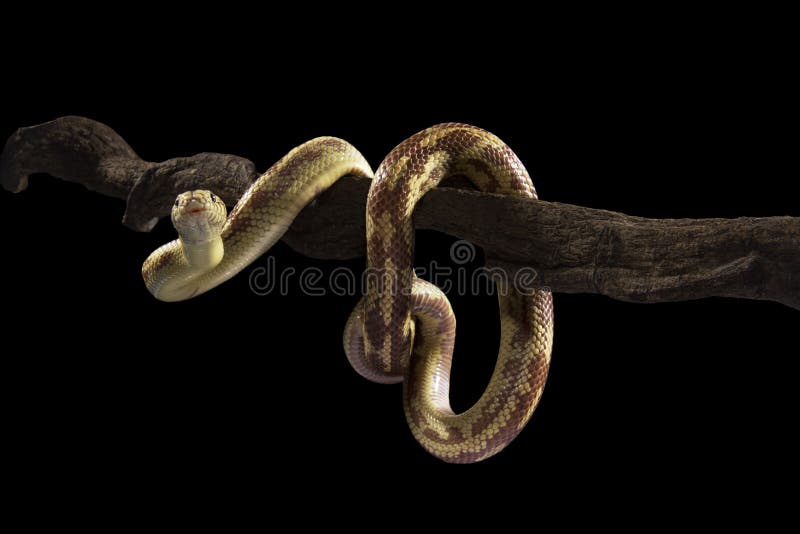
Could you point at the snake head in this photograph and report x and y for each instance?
(198, 216)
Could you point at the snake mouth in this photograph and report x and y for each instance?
(197, 210)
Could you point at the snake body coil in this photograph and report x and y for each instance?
(403, 328)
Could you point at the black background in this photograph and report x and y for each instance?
(107, 383)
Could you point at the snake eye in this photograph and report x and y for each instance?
(213, 197)
(177, 202)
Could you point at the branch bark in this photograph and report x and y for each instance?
(573, 249)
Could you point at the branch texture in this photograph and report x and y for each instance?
(573, 249)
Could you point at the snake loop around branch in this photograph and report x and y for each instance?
(403, 328)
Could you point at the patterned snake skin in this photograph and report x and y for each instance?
(395, 297)
(403, 328)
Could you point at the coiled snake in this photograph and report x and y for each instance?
(403, 329)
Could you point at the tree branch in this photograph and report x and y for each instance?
(573, 249)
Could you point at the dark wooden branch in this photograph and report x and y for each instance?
(81, 150)
(573, 249)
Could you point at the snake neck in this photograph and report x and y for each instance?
(173, 271)
(205, 255)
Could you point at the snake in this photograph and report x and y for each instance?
(403, 328)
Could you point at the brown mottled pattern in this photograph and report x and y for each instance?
(481, 172)
(417, 311)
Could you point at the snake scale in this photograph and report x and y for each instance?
(403, 329)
